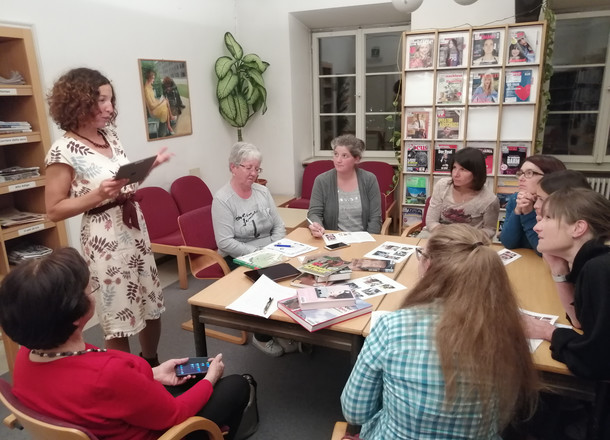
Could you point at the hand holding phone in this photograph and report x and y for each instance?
(335, 246)
(193, 367)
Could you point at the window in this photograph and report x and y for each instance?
(578, 124)
(356, 81)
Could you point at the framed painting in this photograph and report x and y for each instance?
(166, 99)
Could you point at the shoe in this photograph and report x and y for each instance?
(270, 347)
(288, 345)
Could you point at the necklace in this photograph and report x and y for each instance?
(104, 145)
(67, 353)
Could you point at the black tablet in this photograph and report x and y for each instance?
(277, 272)
(135, 171)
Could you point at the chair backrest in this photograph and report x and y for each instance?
(39, 426)
(159, 210)
(426, 205)
(190, 192)
(311, 171)
(384, 173)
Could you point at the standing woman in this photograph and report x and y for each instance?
(463, 197)
(574, 239)
(80, 180)
(345, 198)
(517, 231)
(453, 362)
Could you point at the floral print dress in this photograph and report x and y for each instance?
(120, 259)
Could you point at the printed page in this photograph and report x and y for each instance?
(535, 343)
(392, 251)
(290, 248)
(254, 300)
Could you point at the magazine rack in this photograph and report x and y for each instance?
(468, 87)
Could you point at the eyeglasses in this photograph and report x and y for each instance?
(419, 253)
(528, 173)
(250, 169)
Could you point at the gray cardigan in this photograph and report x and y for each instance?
(324, 203)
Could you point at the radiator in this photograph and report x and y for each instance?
(601, 185)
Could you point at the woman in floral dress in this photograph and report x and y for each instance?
(80, 180)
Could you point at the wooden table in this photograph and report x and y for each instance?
(293, 218)
(209, 306)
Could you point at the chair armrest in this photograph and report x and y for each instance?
(192, 424)
(339, 430)
(206, 253)
(11, 421)
(385, 226)
(412, 229)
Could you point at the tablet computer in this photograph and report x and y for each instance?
(135, 171)
(277, 272)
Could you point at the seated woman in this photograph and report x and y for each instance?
(345, 198)
(520, 217)
(245, 219)
(574, 239)
(453, 362)
(57, 373)
(463, 197)
(554, 182)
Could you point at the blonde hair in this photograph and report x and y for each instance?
(479, 336)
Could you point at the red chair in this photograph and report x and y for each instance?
(417, 227)
(310, 173)
(161, 215)
(189, 193)
(197, 232)
(385, 177)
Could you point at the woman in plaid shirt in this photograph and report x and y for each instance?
(453, 363)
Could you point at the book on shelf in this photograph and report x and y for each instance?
(373, 264)
(518, 85)
(411, 215)
(443, 152)
(512, 156)
(503, 199)
(484, 86)
(27, 251)
(520, 49)
(486, 48)
(317, 319)
(15, 78)
(323, 297)
(451, 50)
(448, 123)
(420, 52)
(416, 190)
(324, 265)
(13, 217)
(260, 258)
(450, 87)
(417, 156)
(418, 123)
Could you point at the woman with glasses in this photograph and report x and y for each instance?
(345, 198)
(517, 231)
(453, 362)
(245, 220)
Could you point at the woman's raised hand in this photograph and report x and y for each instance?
(162, 156)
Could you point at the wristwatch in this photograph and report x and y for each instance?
(559, 278)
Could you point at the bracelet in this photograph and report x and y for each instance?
(559, 278)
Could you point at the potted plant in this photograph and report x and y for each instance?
(240, 91)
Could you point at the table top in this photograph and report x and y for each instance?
(292, 217)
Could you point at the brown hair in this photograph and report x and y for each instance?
(546, 163)
(352, 143)
(479, 337)
(73, 98)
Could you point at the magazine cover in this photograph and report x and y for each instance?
(518, 85)
(522, 44)
(488, 152)
(411, 216)
(417, 157)
(442, 157)
(451, 50)
(418, 123)
(484, 86)
(421, 51)
(415, 190)
(450, 87)
(448, 123)
(486, 47)
(511, 158)
(373, 264)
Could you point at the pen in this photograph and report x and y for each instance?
(282, 245)
(309, 221)
(267, 306)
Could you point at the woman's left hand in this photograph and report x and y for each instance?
(162, 156)
(166, 373)
(525, 202)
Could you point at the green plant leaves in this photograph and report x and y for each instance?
(223, 66)
(226, 85)
(233, 46)
(254, 62)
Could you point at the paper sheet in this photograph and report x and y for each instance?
(254, 300)
(347, 237)
(290, 248)
(535, 343)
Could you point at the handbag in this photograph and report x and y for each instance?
(250, 417)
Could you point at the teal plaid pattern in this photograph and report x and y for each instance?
(396, 389)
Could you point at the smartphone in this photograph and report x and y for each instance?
(335, 246)
(276, 273)
(194, 366)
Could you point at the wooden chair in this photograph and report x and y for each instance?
(200, 246)
(161, 215)
(311, 171)
(417, 227)
(189, 193)
(43, 427)
(385, 177)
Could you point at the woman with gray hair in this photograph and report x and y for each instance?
(245, 219)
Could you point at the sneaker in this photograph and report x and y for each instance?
(270, 347)
(288, 345)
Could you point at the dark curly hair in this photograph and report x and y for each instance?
(73, 98)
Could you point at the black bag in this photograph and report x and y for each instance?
(249, 420)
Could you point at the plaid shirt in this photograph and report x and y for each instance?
(396, 389)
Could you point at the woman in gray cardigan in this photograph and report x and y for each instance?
(345, 198)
